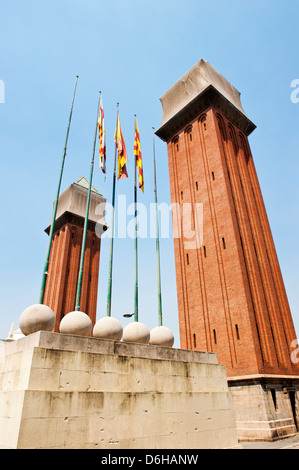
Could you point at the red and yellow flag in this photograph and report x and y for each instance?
(122, 153)
(137, 153)
(102, 138)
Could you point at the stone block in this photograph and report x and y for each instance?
(70, 395)
(263, 407)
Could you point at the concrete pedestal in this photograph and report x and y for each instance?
(266, 406)
(63, 391)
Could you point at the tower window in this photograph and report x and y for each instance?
(205, 251)
(213, 176)
(181, 194)
(196, 184)
(205, 126)
(176, 142)
(190, 136)
(187, 257)
(237, 331)
(215, 337)
(194, 340)
(223, 242)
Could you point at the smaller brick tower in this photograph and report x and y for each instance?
(61, 286)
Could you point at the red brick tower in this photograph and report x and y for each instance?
(61, 287)
(231, 295)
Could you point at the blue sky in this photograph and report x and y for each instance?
(133, 52)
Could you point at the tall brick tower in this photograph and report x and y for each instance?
(61, 287)
(231, 295)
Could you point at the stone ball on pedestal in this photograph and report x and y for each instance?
(162, 336)
(76, 323)
(37, 317)
(108, 328)
(136, 332)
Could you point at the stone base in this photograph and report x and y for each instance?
(266, 407)
(63, 391)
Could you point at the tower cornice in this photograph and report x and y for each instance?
(200, 88)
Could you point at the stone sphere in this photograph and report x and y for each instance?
(162, 336)
(108, 328)
(76, 323)
(35, 318)
(136, 332)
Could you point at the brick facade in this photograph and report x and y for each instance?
(231, 295)
(61, 287)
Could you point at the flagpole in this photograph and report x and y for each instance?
(80, 276)
(135, 244)
(112, 229)
(45, 272)
(157, 237)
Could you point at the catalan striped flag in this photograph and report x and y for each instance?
(102, 138)
(137, 153)
(121, 149)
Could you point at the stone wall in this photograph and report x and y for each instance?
(63, 391)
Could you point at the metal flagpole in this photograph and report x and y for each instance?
(135, 240)
(45, 272)
(112, 227)
(157, 237)
(80, 276)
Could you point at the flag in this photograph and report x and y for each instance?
(137, 153)
(122, 153)
(102, 138)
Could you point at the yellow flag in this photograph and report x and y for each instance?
(122, 153)
(102, 138)
(137, 153)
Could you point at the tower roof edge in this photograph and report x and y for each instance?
(200, 87)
